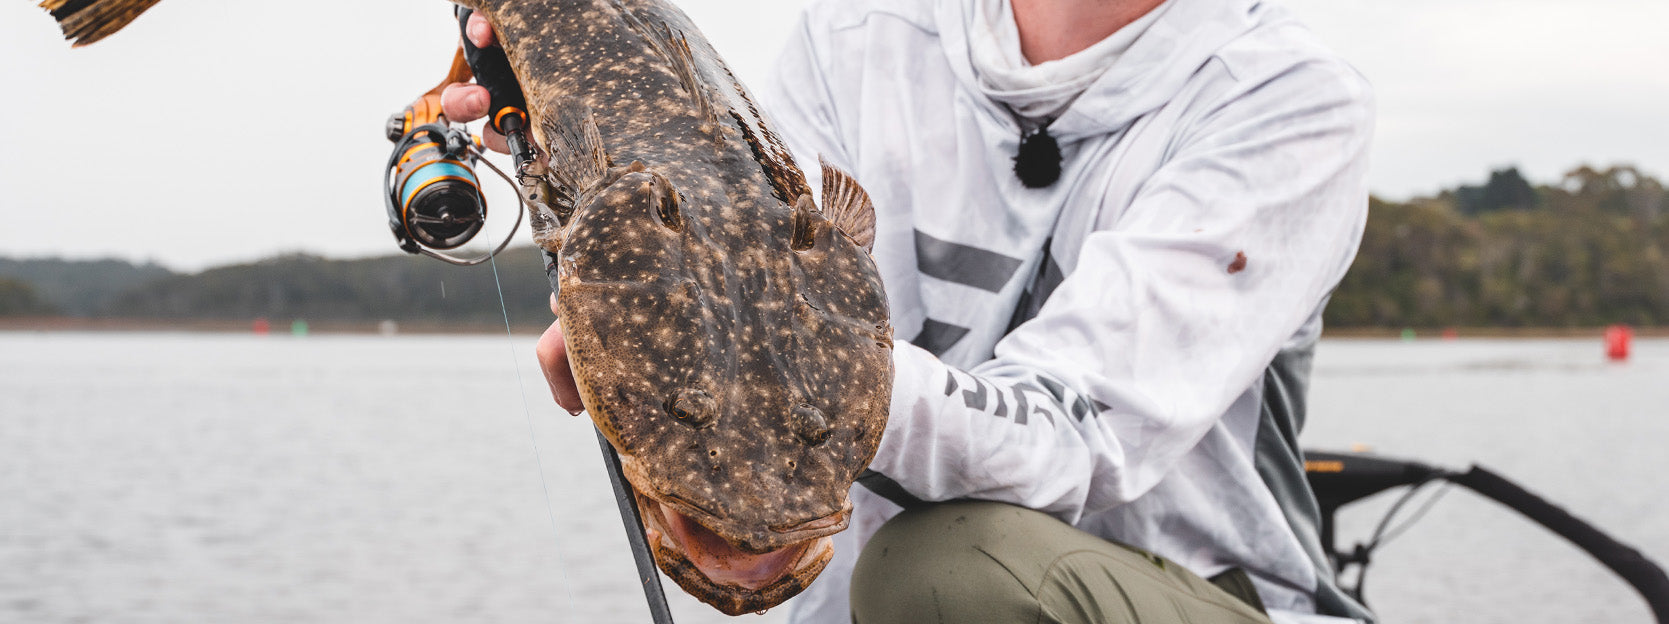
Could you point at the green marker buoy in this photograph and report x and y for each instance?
(298, 328)
(1408, 334)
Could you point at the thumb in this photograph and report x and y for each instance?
(479, 31)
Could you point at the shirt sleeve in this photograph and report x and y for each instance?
(1176, 306)
(796, 96)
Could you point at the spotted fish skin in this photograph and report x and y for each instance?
(730, 341)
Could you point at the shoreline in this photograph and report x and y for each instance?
(282, 327)
(277, 327)
(1432, 333)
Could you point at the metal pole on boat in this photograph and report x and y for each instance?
(1340, 479)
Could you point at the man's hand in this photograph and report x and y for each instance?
(553, 359)
(465, 102)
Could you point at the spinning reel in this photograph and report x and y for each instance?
(432, 194)
(430, 188)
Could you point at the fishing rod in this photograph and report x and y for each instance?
(626, 499)
(1340, 479)
(435, 204)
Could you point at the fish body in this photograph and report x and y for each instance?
(730, 339)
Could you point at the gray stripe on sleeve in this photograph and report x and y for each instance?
(1021, 409)
(885, 487)
(938, 337)
(975, 399)
(1054, 387)
(969, 266)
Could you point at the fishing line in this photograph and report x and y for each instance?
(538, 457)
(1383, 533)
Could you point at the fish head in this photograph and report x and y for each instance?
(741, 368)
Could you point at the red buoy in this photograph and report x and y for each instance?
(1617, 342)
(261, 327)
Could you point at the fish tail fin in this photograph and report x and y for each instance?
(87, 21)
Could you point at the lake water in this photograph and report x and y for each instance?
(156, 477)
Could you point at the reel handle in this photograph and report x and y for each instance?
(508, 111)
(492, 70)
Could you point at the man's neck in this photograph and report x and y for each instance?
(1051, 30)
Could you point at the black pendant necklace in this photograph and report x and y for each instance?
(1038, 161)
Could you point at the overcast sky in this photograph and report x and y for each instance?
(212, 132)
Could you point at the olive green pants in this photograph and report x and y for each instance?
(989, 562)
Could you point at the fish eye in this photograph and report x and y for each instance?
(810, 425)
(693, 407)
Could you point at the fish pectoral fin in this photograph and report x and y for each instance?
(85, 22)
(847, 205)
(578, 159)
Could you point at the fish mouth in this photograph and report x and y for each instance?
(730, 577)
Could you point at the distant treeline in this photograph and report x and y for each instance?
(1587, 251)
(70, 287)
(398, 288)
(18, 298)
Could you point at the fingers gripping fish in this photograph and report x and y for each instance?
(730, 339)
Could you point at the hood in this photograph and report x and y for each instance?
(1150, 73)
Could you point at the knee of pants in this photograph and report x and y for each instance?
(989, 562)
(933, 565)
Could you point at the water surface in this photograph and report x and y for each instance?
(156, 477)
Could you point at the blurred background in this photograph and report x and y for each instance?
(225, 398)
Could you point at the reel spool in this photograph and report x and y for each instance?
(439, 198)
(431, 191)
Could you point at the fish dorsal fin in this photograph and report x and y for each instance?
(87, 21)
(675, 48)
(847, 205)
(578, 159)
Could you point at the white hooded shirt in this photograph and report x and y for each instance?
(1037, 92)
(1101, 349)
